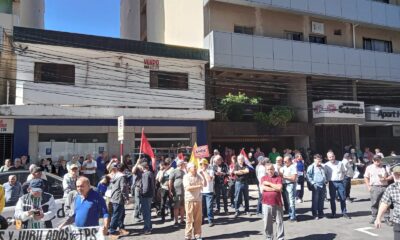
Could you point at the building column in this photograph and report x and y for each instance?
(356, 127)
(297, 99)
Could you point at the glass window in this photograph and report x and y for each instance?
(243, 30)
(317, 39)
(6, 6)
(296, 36)
(382, 1)
(54, 73)
(377, 45)
(169, 80)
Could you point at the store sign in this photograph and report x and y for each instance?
(338, 109)
(121, 128)
(317, 27)
(6, 125)
(152, 64)
(383, 114)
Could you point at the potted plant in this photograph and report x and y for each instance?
(232, 107)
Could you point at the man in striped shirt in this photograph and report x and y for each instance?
(36, 208)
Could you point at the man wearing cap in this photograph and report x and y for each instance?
(36, 208)
(193, 183)
(391, 196)
(207, 173)
(69, 180)
(36, 173)
(177, 192)
(376, 178)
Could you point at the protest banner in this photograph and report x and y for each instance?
(201, 151)
(67, 233)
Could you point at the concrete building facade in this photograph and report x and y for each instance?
(296, 53)
(70, 88)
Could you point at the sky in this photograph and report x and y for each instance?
(94, 17)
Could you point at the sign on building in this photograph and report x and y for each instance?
(121, 128)
(338, 109)
(152, 64)
(382, 114)
(6, 125)
(317, 27)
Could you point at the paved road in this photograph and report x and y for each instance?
(250, 227)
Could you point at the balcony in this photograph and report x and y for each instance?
(238, 51)
(356, 11)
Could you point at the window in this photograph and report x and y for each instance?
(169, 80)
(317, 39)
(377, 45)
(55, 73)
(296, 36)
(244, 30)
(382, 1)
(6, 6)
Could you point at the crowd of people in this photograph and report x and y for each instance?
(191, 193)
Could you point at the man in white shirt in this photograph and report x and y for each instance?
(336, 172)
(89, 167)
(207, 173)
(289, 176)
(349, 165)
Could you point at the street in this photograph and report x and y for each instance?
(250, 227)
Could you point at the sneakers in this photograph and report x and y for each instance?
(247, 213)
(299, 200)
(372, 221)
(147, 232)
(236, 214)
(176, 224)
(123, 232)
(211, 224)
(346, 216)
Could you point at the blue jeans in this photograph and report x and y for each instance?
(318, 197)
(259, 203)
(208, 206)
(146, 211)
(300, 193)
(339, 187)
(241, 190)
(221, 189)
(290, 192)
(117, 217)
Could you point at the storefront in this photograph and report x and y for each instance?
(336, 124)
(42, 138)
(382, 129)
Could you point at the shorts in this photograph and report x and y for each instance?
(179, 201)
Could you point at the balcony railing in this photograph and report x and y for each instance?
(239, 51)
(356, 11)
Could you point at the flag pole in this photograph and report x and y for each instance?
(140, 148)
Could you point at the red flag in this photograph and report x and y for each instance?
(145, 148)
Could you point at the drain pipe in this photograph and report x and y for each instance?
(354, 34)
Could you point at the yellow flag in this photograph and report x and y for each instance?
(193, 159)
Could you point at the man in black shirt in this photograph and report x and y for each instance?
(241, 185)
(221, 172)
